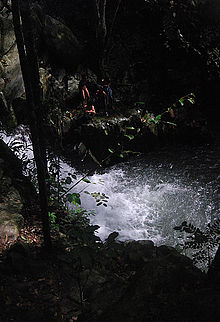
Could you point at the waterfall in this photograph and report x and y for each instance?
(149, 196)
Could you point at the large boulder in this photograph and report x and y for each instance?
(11, 81)
(62, 46)
(156, 285)
(54, 40)
(11, 206)
(10, 225)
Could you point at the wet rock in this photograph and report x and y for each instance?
(111, 238)
(12, 201)
(11, 81)
(140, 251)
(8, 231)
(1, 69)
(11, 207)
(155, 286)
(8, 41)
(2, 84)
(10, 224)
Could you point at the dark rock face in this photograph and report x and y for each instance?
(156, 284)
(15, 191)
(11, 82)
(129, 133)
(11, 206)
(63, 47)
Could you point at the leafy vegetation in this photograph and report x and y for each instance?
(150, 119)
(203, 243)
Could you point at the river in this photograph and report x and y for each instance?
(150, 195)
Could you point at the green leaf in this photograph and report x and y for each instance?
(86, 180)
(158, 117)
(74, 197)
(68, 180)
(106, 132)
(131, 137)
(69, 197)
(72, 175)
(191, 100)
(181, 100)
(130, 128)
(171, 123)
(111, 151)
(150, 120)
(121, 155)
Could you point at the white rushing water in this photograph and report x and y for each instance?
(150, 195)
(147, 204)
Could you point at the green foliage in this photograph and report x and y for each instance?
(76, 227)
(203, 243)
(150, 119)
(101, 199)
(127, 134)
(52, 218)
(86, 180)
(74, 198)
(131, 137)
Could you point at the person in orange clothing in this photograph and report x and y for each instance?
(83, 90)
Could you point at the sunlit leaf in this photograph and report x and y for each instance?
(130, 128)
(158, 117)
(131, 137)
(86, 180)
(171, 123)
(181, 100)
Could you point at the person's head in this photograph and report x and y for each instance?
(105, 82)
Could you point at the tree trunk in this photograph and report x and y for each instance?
(30, 72)
(101, 33)
(104, 32)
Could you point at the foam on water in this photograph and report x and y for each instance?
(149, 196)
(147, 204)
